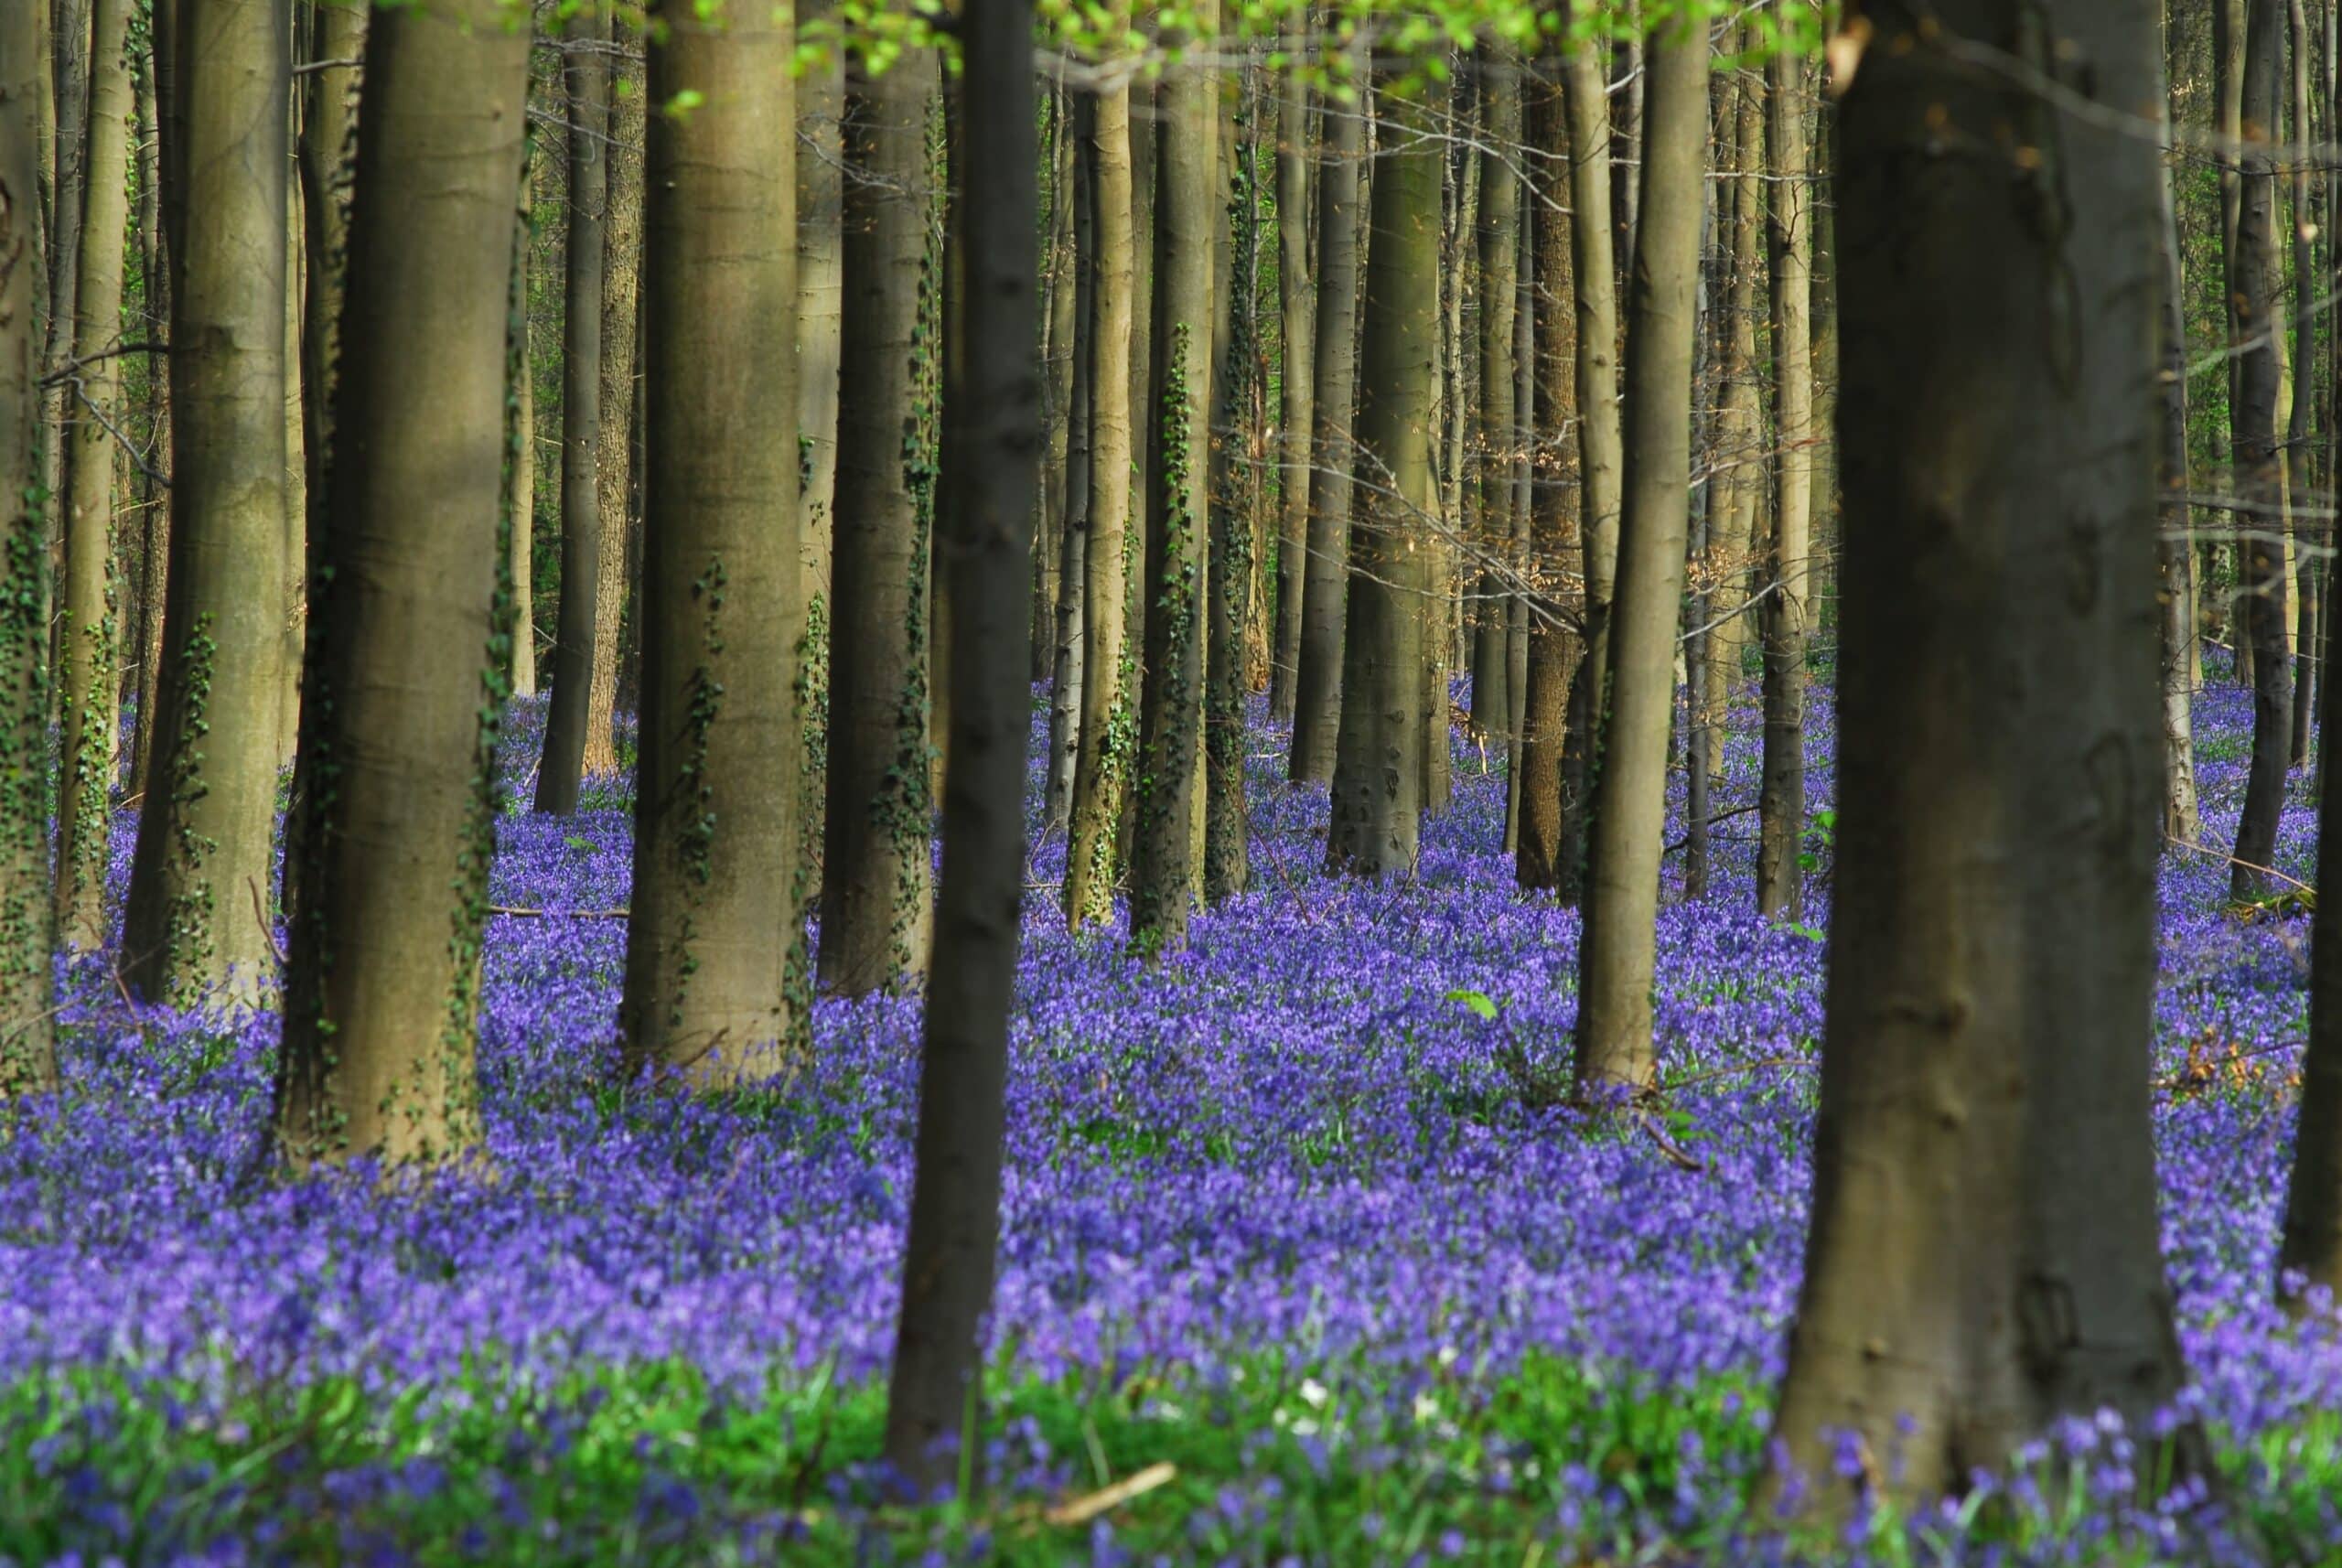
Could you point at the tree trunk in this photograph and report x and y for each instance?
(1554, 623)
(1059, 303)
(614, 447)
(1376, 805)
(1179, 507)
(714, 987)
(154, 504)
(874, 899)
(1601, 453)
(1070, 668)
(1524, 404)
(955, 1194)
(561, 766)
(1234, 485)
(820, 281)
(86, 639)
(2259, 474)
(1732, 529)
(1499, 248)
(27, 1030)
(1617, 953)
(1317, 679)
(1781, 803)
(383, 987)
(1983, 1259)
(2302, 442)
(330, 93)
(2175, 548)
(205, 833)
(1296, 169)
(521, 465)
(1108, 694)
(69, 43)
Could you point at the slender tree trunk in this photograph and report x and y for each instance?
(328, 147)
(1525, 364)
(614, 445)
(715, 989)
(1059, 303)
(1108, 693)
(2175, 549)
(1731, 529)
(955, 1195)
(1601, 453)
(206, 826)
(562, 764)
(1317, 680)
(1780, 805)
(1499, 249)
(69, 43)
(27, 1032)
(1554, 643)
(1983, 1260)
(1617, 953)
(1069, 671)
(874, 898)
(1376, 805)
(1179, 507)
(155, 512)
(1234, 484)
(405, 656)
(821, 279)
(1296, 168)
(85, 757)
(520, 469)
(2301, 436)
(2260, 472)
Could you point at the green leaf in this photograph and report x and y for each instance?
(1478, 1000)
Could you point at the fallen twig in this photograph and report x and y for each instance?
(1081, 1511)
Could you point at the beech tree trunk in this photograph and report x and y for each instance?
(956, 1193)
(1109, 693)
(1557, 530)
(207, 823)
(715, 989)
(406, 654)
(1786, 619)
(1317, 688)
(1296, 170)
(87, 639)
(2253, 326)
(1377, 807)
(1234, 487)
(1616, 954)
(1499, 247)
(561, 767)
(1984, 1255)
(2176, 548)
(614, 445)
(28, 1029)
(875, 898)
(1179, 508)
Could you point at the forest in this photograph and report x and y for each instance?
(1529, 782)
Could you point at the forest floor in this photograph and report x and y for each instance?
(1297, 1246)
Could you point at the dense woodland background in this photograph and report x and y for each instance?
(945, 727)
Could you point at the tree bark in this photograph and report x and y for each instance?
(560, 767)
(820, 283)
(406, 663)
(1109, 717)
(1780, 804)
(521, 465)
(1556, 618)
(1317, 681)
(27, 1030)
(2301, 441)
(1731, 529)
(1179, 507)
(715, 989)
(207, 824)
(1616, 954)
(2259, 474)
(1234, 486)
(69, 43)
(614, 447)
(1601, 452)
(1984, 1255)
(1499, 247)
(1377, 806)
(2175, 547)
(1296, 168)
(86, 639)
(955, 1194)
(875, 898)
(1069, 662)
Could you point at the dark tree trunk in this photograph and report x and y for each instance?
(989, 473)
(1984, 1255)
(1296, 170)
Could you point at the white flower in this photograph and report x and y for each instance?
(1313, 1393)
